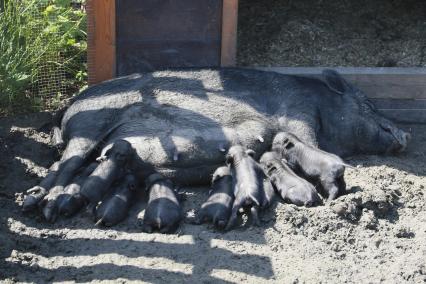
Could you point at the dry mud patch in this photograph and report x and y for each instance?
(375, 233)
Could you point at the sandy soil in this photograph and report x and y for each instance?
(365, 33)
(375, 233)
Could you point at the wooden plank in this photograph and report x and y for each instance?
(385, 83)
(229, 33)
(401, 110)
(398, 93)
(100, 40)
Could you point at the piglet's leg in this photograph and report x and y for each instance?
(147, 228)
(66, 171)
(169, 229)
(341, 184)
(200, 218)
(73, 158)
(57, 137)
(255, 215)
(37, 193)
(331, 188)
(234, 215)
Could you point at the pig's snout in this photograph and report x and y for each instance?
(314, 200)
(401, 139)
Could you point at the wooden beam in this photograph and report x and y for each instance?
(379, 83)
(229, 33)
(400, 110)
(398, 93)
(100, 40)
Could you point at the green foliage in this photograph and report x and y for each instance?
(42, 53)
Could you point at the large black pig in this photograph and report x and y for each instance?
(176, 121)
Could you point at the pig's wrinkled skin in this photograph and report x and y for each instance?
(290, 186)
(115, 208)
(252, 190)
(322, 168)
(218, 206)
(163, 212)
(179, 122)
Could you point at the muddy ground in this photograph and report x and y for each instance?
(375, 233)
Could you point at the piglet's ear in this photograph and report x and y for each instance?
(289, 145)
(101, 158)
(335, 82)
(229, 159)
(251, 153)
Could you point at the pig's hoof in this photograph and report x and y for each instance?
(50, 211)
(146, 228)
(230, 226)
(221, 224)
(50, 204)
(169, 229)
(71, 205)
(32, 200)
(91, 211)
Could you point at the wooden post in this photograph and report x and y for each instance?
(229, 33)
(100, 40)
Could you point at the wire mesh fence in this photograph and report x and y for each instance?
(54, 83)
(42, 53)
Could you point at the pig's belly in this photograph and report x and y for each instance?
(189, 144)
(190, 149)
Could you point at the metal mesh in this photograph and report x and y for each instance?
(53, 82)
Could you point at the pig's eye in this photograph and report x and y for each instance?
(358, 132)
(121, 157)
(385, 128)
(370, 104)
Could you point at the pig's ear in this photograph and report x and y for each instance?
(229, 159)
(251, 153)
(107, 152)
(335, 82)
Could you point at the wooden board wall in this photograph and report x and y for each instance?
(100, 40)
(399, 93)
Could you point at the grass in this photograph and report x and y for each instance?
(42, 54)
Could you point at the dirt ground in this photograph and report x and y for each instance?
(368, 33)
(375, 233)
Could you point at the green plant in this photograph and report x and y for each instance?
(42, 53)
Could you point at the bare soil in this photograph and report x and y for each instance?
(375, 233)
(368, 33)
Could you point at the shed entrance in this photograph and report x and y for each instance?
(154, 34)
